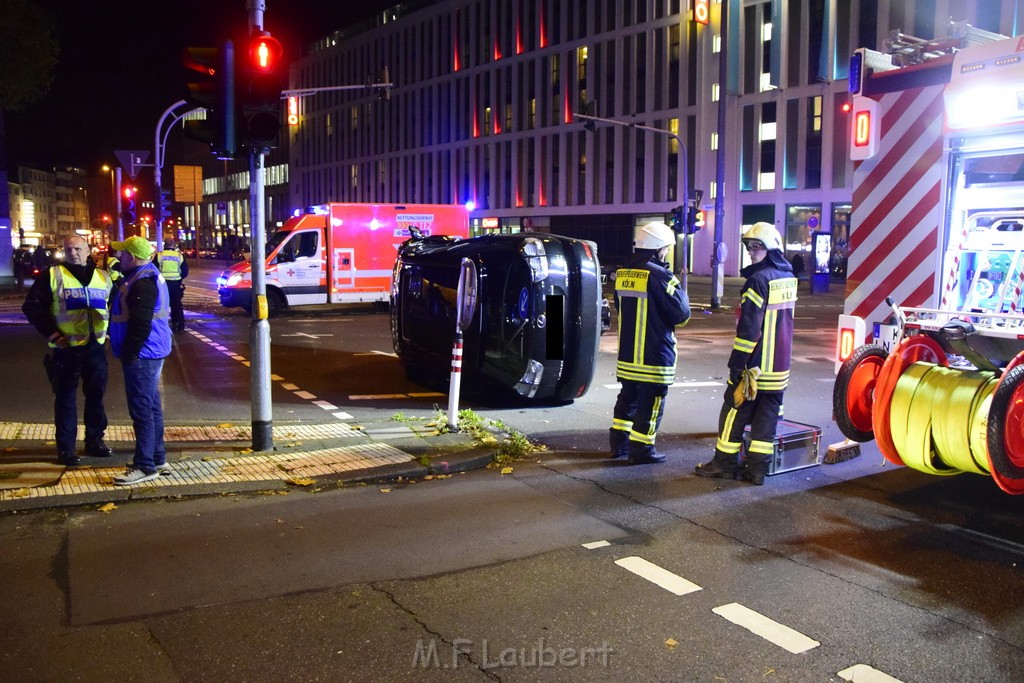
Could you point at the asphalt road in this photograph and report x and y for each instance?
(485, 576)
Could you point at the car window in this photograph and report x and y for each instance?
(307, 245)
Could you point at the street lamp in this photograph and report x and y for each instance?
(683, 193)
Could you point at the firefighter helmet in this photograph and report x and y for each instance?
(653, 235)
(765, 233)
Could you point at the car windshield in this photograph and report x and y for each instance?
(275, 241)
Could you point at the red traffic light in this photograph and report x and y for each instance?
(129, 191)
(264, 52)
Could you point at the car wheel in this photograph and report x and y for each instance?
(276, 303)
(853, 394)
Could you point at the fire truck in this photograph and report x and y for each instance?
(931, 342)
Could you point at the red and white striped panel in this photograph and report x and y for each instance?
(895, 235)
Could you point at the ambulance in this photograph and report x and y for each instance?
(338, 253)
(932, 336)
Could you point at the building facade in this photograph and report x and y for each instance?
(486, 92)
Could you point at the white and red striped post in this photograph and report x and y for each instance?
(454, 383)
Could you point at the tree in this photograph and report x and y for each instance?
(28, 56)
(28, 53)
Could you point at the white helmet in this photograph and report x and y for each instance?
(653, 235)
(766, 234)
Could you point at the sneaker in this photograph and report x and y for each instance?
(98, 449)
(713, 470)
(164, 469)
(69, 459)
(134, 475)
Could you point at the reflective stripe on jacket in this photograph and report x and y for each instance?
(764, 331)
(170, 264)
(158, 343)
(80, 312)
(651, 304)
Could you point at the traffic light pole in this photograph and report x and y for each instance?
(159, 146)
(259, 328)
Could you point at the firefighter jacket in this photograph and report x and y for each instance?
(172, 265)
(70, 302)
(764, 326)
(651, 302)
(139, 316)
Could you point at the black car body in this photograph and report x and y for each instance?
(534, 330)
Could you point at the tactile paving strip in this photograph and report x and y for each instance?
(193, 433)
(249, 468)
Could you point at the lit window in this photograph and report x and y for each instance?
(714, 92)
(766, 32)
(766, 181)
(714, 141)
(767, 131)
(716, 44)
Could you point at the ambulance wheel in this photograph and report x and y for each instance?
(853, 393)
(276, 304)
(1005, 434)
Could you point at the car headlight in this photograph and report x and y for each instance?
(530, 381)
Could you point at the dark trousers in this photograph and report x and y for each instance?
(637, 416)
(142, 389)
(89, 364)
(762, 414)
(175, 291)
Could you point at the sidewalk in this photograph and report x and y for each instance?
(217, 459)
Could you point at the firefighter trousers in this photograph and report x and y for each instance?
(762, 414)
(637, 416)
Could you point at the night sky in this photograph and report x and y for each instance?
(120, 68)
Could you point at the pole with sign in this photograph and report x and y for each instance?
(465, 306)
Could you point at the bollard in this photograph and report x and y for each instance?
(454, 383)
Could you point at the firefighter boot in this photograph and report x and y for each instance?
(755, 471)
(640, 454)
(619, 442)
(716, 468)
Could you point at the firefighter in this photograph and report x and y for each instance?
(651, 303)
(174, 268)
(760, 360)
(68, 305)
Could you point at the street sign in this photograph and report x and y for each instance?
(132, 160)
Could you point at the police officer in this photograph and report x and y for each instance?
(174, 269)
(651, 303)
(760, 360)
(68, 305)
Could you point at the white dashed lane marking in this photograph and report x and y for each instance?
(596, 544)
(673, 583)
(862, 673)
(772, 631)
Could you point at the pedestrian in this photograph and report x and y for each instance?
(140, 335)
(651, 303)
(760, 360)
(174, 268)
(68, 305)
(798, 265)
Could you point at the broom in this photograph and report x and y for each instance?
(841, 452)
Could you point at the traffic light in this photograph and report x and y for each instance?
(212, 86)
(260, 92)
(163, 211)
(676, 220)
(128, 194)
(694, 220)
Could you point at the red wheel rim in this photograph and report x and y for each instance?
(906, 353)
(860, 392)
(1013, 428)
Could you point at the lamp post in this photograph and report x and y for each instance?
(682, 195)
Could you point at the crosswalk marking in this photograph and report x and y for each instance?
(770, 630)
(673, 583)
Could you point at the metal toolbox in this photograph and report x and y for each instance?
(796, 446)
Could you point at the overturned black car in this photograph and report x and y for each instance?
(534, 328)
